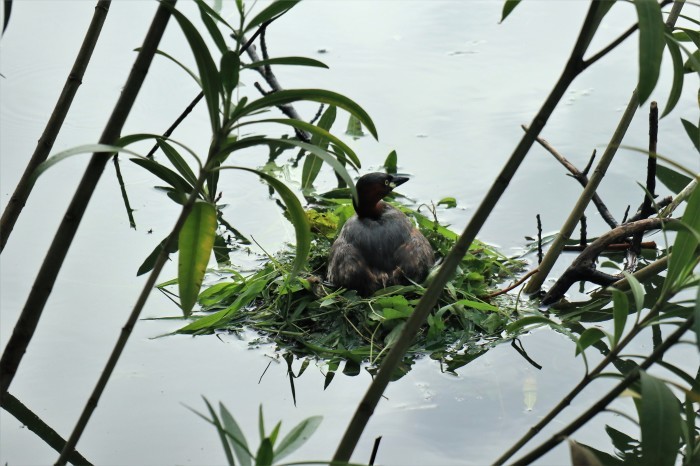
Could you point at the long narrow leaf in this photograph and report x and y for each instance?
(178, 162)
(208, 72)
(150, 261)
(316, 95)
(165, 174)
(677, 85)
(588, 337)
(297, 436)
(651, 46)
(620, 312)
(222, 433)
(211, 26)
(660, 422)
(685, 245)
(192, 74)
(240, 446)
(312, 164)
(196, 242)
(275, 9)
(297, 216)
(295, 61)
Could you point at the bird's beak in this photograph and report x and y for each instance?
(397, 180)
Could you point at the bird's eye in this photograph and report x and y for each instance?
(386, 182)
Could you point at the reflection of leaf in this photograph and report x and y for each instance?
(354, 128)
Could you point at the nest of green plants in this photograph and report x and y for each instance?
(308, 317)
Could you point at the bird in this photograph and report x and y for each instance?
(378, 246)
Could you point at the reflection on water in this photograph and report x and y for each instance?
(445, 70)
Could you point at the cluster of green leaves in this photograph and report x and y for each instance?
(307, 317)
(236, 446)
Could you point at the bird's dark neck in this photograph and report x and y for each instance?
(369, 209)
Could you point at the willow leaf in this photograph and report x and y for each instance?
(196, 242)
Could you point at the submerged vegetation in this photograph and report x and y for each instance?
(305, 316)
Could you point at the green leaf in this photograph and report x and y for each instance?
(265, 455)
(275, 432)
(390, 164)
(230, 66)
(672, 179)
(582, 455)
(261, 423)
(692, 132)
(312, 163)
(449, 202)
(651, 46)
(204, 11)
(192, 74)
(295, 61)
(660, 422)
(276, 8)
(354, 128)
(235, 436)
(637, 291)
(684, 248)
(297, 216)
(208, 73)
(529, 320)
(316, 95)
(508, 7)
(97, 149)
(696, 322)
(588, 337)
(165, 174)
(621, 308)
(178, 162)
(150, 261)
(677, 85)
(196, 242)
(222, 433)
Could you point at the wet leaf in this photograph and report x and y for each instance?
(196, 242)
(651, 46)
(660, 422)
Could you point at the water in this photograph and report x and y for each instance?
(447, 88)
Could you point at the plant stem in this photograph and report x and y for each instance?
(564, 234)
(366, 407)
(53, 126)
(43, 284)
(608, 398)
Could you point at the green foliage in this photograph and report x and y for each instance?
(233, 440)
(305, 317)
(196, 242)
(651, 46)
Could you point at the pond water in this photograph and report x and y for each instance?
(448, 88)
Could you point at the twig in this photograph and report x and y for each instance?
(513, 286)
(565, 232)
(521, 351)
(540, 253)
(583, 240)
(53, 126)
(583, 267)
(580, 177)
(610, 247)
(375, 449)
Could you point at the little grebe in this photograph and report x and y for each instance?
(379, 246)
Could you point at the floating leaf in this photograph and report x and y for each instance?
(196, 242)
(651, 46)
(660, 422)
(449, 202)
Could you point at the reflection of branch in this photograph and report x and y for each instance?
(271, 80)
(583, 267)
(578, 176)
